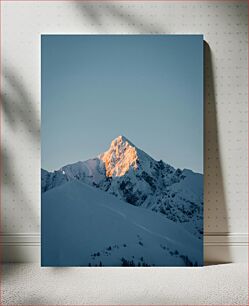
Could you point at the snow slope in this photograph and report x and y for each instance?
(82, 226)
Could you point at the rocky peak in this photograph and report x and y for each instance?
(120, 157)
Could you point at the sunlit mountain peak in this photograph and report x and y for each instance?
(120, 158)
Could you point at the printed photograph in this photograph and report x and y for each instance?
(122, 150)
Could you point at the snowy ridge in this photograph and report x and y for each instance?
(134, 177)
(91, 171)
(51, 180)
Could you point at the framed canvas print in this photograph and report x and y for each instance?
(122, 150)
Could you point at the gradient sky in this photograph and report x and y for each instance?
(148, 88)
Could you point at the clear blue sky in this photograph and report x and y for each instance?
(148, 88)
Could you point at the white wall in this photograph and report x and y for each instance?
(224, 25)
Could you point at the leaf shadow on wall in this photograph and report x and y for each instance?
(215, 210)
(19, 117)
(95, 14)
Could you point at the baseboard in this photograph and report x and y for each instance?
(20, 247)
(218, 247)
(225, 247)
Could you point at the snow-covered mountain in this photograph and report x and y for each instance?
(134, 177)
(85, 226)
(51, 180)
